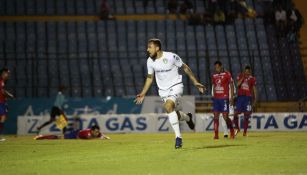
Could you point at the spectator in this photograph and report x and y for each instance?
(251, 13)
(281, 20)
(172, 6)
(219, 17)
(186, 7)
(212, 6)
(105, 11)
(268, 10)
(222, 4)
(195, 19)
(231, 13)
(295, 22)
(242, 8)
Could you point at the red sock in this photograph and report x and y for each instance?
(229, 125)
(245, 123)
(216, 127)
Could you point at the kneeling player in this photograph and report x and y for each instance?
(92, 133)
(246, 98)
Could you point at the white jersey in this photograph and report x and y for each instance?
(166, 70)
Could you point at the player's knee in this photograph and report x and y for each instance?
(169, 107)
(216, 115)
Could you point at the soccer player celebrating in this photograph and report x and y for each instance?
(247, 97)
(56, 110)
(165, 66)
(4, 76)
(222, 83)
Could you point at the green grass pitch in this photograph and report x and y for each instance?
(149, 154)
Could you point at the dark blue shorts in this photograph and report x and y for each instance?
(71, 135)
(220, 105)
(3, 109)
(244, 104)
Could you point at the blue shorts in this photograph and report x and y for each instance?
(243, 104)
(3, 109)
(71, 135)
(220, 105)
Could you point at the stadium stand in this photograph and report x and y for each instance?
(103, 58)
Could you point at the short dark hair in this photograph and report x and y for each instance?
(156, 42)
(4, 70)
(95, 127)
(61, 88)
(218, 62)
(248, 67)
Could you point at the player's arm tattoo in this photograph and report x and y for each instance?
(147, 84)
(189, 72)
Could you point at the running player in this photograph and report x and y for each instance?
(222, 83)
(247, 98)
(56, 110)
(4, 76)
(165, 66)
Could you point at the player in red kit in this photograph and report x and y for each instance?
(92, 133)
(222, 83)
(4, 76)
(247, 97)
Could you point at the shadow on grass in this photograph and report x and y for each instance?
(212, 147)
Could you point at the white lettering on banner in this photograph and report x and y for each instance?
(153, 123)
(260, 122)
(147, 123)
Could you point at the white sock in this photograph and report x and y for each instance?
(173, 119)
(183, 116)
(225, 129)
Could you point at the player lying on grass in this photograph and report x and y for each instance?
(92, 133)
(165, 66)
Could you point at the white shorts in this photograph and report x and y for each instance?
(174, 93)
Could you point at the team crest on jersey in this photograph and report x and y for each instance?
(165, 61)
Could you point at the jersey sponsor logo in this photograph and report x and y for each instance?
(165, 61)
(158, 71)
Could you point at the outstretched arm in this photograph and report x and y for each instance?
(140, 97)
(201, 88)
